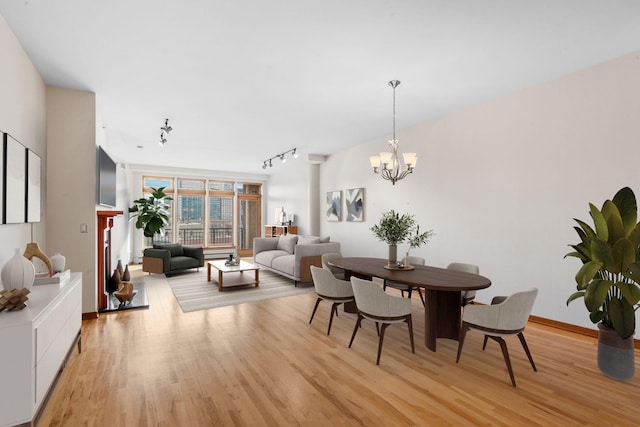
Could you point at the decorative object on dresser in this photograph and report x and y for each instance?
(33, 250)
(57, 262)
(17, 273)
(15, 299)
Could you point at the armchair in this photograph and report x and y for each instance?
(172, 257)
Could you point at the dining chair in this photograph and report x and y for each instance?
(326, 258)
(504, 317)
(375, 304)
(467, 296)
(403, 287)
(329, 288)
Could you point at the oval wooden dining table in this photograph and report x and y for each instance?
(443, 291)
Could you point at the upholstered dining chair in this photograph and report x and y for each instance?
(326, 258)
(329, 288)
(406, 288)
(375, 304)
(505, 316)
(467, 296)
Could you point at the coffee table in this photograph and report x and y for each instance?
(233, 275)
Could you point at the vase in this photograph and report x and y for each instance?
(615, 355)
(113, 284)
(18, 272)
(126, 276)
(57, 262)
(393, 254)
(119, 268)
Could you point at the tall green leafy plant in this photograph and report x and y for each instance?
(152, 212)
(609, 277)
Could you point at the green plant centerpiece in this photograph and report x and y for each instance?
(610, 272)
(394, 228)
(152, 212)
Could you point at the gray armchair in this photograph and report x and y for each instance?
(329, 288)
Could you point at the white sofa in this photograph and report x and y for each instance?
(292, 255)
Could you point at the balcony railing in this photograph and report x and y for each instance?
(218, 236)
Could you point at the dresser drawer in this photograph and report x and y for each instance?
(48, 328)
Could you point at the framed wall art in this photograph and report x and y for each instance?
(334, 205)
(14, 205)
(355, 204)
(34, 165)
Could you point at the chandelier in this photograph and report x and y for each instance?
(388, 164)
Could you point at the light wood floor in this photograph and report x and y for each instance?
(262, 365)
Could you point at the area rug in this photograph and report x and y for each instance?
(193, 292)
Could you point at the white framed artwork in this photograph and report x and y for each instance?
(334, 205)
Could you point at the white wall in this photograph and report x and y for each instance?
(23, 115)
(500, 182)
(291, 179)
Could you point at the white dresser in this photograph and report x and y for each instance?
(34, 344)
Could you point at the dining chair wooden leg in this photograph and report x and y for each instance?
(484, 343)
(505, 353)
(463, 334)
(410, 324)
(334, 310)
(421, 297)
(384, 327)
(314, 309)
(378, 328)
(355, 329)
(526, 350)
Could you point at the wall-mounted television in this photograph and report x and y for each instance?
(106, 179)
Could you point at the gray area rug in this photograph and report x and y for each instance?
(193, 292)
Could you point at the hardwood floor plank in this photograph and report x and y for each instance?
(262, 364)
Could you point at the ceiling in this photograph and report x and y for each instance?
(242, 81)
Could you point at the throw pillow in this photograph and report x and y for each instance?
(175, 249)
(308, 240)
(287, 243)
(325, 239)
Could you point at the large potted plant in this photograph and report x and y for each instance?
(609, 278)
(394, 228)
(152, 212)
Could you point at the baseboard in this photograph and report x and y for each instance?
(90, 316)
(581, 330)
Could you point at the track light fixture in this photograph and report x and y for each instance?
(163, 140)
(281, 156)
(166, 128)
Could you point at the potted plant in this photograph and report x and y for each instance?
(394, 228)
(152, 212)
(415, 240)
(609, 277)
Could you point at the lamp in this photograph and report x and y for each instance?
(280, 156)
(388, 164)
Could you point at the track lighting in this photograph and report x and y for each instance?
(163, 140)
(280, 156)
(166, 128)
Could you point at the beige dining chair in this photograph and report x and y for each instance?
(403, 287)
(329, 288)
(467, 296)
(375, 304)
(326, 258)
(504, 317)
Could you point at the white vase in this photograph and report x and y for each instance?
(57, 262)
(18, 272)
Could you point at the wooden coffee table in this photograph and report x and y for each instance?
(233, 274)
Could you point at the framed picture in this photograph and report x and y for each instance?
(355, 204)
(334, 205)
(15, 185)
(33, 186)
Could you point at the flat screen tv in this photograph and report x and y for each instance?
(106, 179)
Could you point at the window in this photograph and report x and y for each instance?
(190, 212)
(220, 213)
(149, 182)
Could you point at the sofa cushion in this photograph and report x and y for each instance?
(308, 240)
(287, 243)
(180, 262)
(267, 257)
(284, 263)
(325, 239)
(174, 248)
